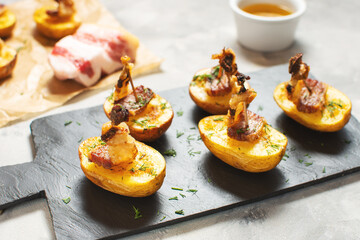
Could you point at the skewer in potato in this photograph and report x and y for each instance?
(147, 114)
(57, 21)
(310, 102)
(120, 164)
(7, 21)
(242, 138)
(212, 88)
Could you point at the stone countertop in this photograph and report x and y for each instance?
(185, 34)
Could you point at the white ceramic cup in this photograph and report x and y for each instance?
(267, 33)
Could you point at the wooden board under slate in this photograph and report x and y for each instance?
(94, 213)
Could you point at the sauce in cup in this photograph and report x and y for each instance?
(267, 10)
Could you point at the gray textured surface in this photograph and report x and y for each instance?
(186, 33)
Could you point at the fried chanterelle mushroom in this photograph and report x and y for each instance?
(242, 138)
(310, 102)
(57, 21)
(147, 114)
(120, 164)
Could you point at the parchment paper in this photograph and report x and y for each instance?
(32, 87)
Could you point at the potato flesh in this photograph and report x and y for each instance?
(331, 119)
(258, 156)
(141, 177)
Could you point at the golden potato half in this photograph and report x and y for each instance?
(151, 123)
(54, 27)
(140, 178)
(8, 58)
(259, 156)
(333, 118)
(7, 23)
(210, 104)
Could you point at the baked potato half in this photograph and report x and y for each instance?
(333, 117)
(261, 155)
(198, 93)
(8, 58)
(55, 27)
(7, 21)
(139, 178)
(151, 123)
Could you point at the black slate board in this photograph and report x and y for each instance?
(94, 213)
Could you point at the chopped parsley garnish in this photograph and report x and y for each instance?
(177, 189)
(137, 212)
(66, 200)
(163, 105)
(190, 137)
(260, 108)
(80, 140)
(307, 155)
(179, 113)
(67, 123)
(192, 153)
(180, 212)
(111, 97)
(179, 134)
(170, 152)
(287, 180)
(141, 122)
(308, 164)
(68, 187)
(193, 128)
(285, 155)
(324, 170)
(182, 195)
(78, 123)
(174, 198)
(192, 190)
(132, 170)
(162, 218)
(301, 160)
(218, 119)
(143, 167)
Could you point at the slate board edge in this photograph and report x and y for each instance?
(231, 206)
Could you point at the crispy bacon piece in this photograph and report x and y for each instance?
(239, 130)
(218, 87)
(101, 157)
(220, 83)
(129, 102)
(309, 95)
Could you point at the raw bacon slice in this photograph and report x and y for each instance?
(71, 59)
(114, 45)
(92, 50)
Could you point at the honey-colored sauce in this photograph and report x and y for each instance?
(267, 10)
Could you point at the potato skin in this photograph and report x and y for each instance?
(7, 23)
(53, 27)
(325, 121)
(140, 178)
(210, 104)
(7, 61)
(261, 155)
(157, 118)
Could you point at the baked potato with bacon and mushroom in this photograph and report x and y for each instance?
(312, 103)
(242, 138)
(57, 21)
(147, 114)
(120, 164)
